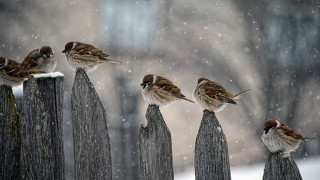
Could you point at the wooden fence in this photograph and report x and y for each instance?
(32, 141)
(92, 153)
(277, 167)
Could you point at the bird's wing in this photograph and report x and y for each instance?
(31, 60)
(88, 49)
(15, 69)
(216, 91)
(283, 128)
(88, 58)
(167, 85)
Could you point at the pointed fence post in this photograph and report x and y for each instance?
(10, 138)
(280, 168)
(41, 121)
(211, 150)
(155, 147)
(92, 152)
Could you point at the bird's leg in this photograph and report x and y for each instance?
(286, 154)
(206, 111)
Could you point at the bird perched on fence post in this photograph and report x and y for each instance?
(279, 137)
(160, 91)
(42, 59)
(212, 96)
(13, 73)
(85, 56)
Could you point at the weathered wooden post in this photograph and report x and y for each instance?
(92, 153)
(155, 147)
(280, 168)
(10, 138)
(41, 121)
(211, 150)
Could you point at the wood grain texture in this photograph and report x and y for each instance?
(281, 168)
(155, 147)
(10, 137)
(92, 152)
(41, 121)
(211, 150)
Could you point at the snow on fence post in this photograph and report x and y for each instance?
(277, 167)
(41, 127)
(10, 138)
(211, 150)
(155, 147)
(92, 152)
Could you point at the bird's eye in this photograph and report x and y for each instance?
(149, 83)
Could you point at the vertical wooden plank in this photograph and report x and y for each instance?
(155, 147)
(90, 132)
(211, 150)
(41, 119)
(10, 137)
(281, 168)
(52, 91)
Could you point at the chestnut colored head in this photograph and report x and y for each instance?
(46, 51)
(69, 46)
(270, 124)
(147, 80)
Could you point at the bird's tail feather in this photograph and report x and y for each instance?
(237, 96)
(27, 73)
(306, 139)
(36, 72)
(113, 61)
(187, 99)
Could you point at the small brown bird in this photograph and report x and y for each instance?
(279, 137)
(85, 56)
(12, 73)
(212, 96)
(160, 91)
(42, 59)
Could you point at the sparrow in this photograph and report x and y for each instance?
(212, 96)
(85, 56)
(42, 59)
(279, 137)
(13, 73)
(160, 91)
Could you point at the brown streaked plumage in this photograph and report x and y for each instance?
(42, 59)
(279, 137)
(213, 96)
(160, 91)
(85, 56)
(12, 73)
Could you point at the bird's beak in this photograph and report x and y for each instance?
(266, 130)
(143, 85)
(50, 55)
(64, 51)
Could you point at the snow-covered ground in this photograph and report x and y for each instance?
(309, 169)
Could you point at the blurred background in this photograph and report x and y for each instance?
(269, 46)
